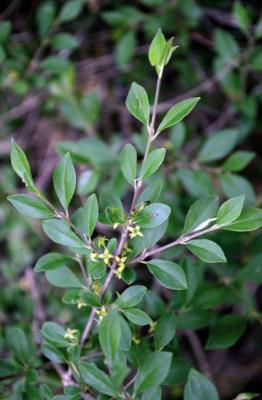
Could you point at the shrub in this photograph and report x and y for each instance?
(119, 270)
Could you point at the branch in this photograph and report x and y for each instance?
(181, 240)
(124, 233)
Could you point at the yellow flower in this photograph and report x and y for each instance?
(152, 326)
(81, 303)
(71, 334)
(136, 339)
(106, 256)
(120, 261)
(96, 288)
(118, 273)
(134, 231)
(93, 257)
(101, 241)
(101, 313)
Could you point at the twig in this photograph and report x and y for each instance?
(181, 240)
(28, 104)
(199, 353)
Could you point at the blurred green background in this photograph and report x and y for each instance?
(65, 73)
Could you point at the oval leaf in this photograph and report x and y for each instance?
(96, 378)
(152, 371)
(128, 163)
(152, 163)
(52, 261)
(230, 210)
(131, 296)
(206, 250)
(64, 180)
(137, 103)
(110, 334)
(198, 387)
(202, 210)
(90, 214)
(177, 113)
(30, 206)
(59, 232)
(152, 215)
(63, 278)
(168, 273)
(138, 317)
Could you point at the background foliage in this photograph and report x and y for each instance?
(66, 68)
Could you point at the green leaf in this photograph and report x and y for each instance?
(249, 220)
(177, 113)
(96, 378)
(91, 150)
(168, 273)
(198, 387)
(54, 333)
(226, 45)
(164, 331)
(235, 185)
(200, 214)
(115, 216)
(125, 48)
(178, 136)
(87, 182)
(152, 371)
(5, 30)
(131, 297)
(30, 206)
(206, 250)
(152, 163)
(136, 316)
(152, 393)
(53, 353)
(246, 396)
(45, 15)
(21, 166)
(137, 103)
(65, 180)
(230, 210)
(90, 298)
(126, 335)
(52, 261)
(241, 16)
(196, 183)
(251, 272)
(63, 278)
(156, 50)
(90, 214)
(152, 216)
(60, 232)
(218, 145)
(70, 10)
(128, 163)
(178, 372)
(238, 160)
(55, 64)
(110, 334)
(226, 331)
(19, 345)
(64, 41)
(151, 192)
(194, 319)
